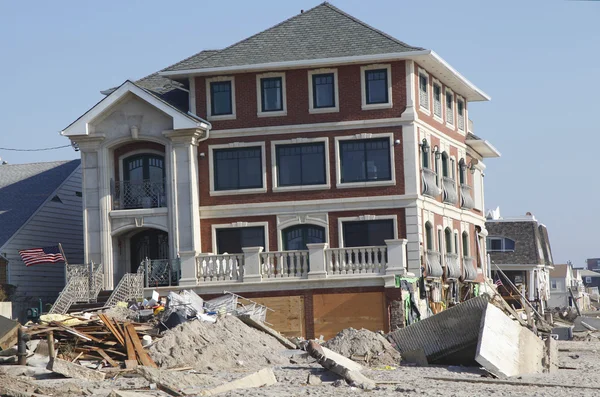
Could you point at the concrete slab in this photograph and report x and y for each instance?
(264, 377)
(71, 370)
(584, 323)
(8, 332)
(564, 333)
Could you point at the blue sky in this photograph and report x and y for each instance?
(538, 59)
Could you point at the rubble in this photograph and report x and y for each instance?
(264, 377)
(364, 346)
(70, 370)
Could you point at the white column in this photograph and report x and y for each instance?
(316, 258)
(414, 234)
(397, 263)
(412, 168)
(185, 232)
(531, 286)
(252, 264)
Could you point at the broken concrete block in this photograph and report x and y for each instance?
(505, 347)
(582, 324)
(8, 332)
(128, 393)
(264, 377)
(71, 370)
(313, 380)
(416, 357)
(551, 357)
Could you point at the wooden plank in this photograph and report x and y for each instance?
(130, 349)
(106, 357)
(106, 321)
(143, 356)
(287, 316)
(79, 334)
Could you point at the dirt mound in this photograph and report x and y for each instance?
(364, 346)
(226, 344)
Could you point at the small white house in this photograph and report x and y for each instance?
(40, 206)
(562, 279)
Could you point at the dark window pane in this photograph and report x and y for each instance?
(449, 99)
(272, 94)
(301, 164)
(296, 237)
(437, 92)
(365, 160)
(367, 233)
(495, 244)
(220, 98)
(376, 86)
(323, 90)
(460, 107)
(232, 240)
(238, 168)
(509, 245)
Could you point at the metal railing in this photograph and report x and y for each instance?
(469, 271)
(148, 193)
(356, 260)
(466, 198)
(284, 264)
(83, 284)
(160, 272)
(131, 287)
(429, 181)
(452, 265)
(450, 195)
(220, 267)
(433, 263)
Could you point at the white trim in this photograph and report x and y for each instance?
(424, 109)
(409, 70)
(83, 125)
(338, 161)
(299, 141)
(138, 212)
(364, 218)
(238, 225)
(336, 95)
(234, 145)
(316, 219)
(444, 138)
(452, 124)
(192, 95)
(231, 116)
(427, 57)
(439, 118)
(464, 104)
(259, 111)
(363, 87)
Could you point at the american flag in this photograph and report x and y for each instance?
(35, 256)
(498, 282)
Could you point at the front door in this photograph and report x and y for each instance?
(151, 244)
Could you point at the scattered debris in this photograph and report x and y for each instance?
(264, 377)
(364, 346)
(248, 320)
(71, 370)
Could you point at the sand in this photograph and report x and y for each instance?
(365, 347)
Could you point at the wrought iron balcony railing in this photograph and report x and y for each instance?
(450, 195)
(139, 194)
(466, 198)
(430, 187)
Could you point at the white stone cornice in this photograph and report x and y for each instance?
(190, 136)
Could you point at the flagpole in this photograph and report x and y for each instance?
(63, 254)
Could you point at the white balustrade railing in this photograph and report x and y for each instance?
(220, 267)
(356, 260)
(280, 264)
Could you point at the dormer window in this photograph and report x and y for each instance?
(500, 244)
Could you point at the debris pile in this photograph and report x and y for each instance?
(364, 346)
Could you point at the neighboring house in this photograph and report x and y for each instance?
(520, 247)
(319, 140)
(562, 279)
(40, 206)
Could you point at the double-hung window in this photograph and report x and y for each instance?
(423, 91)
(449, 107)
(437, 100)
(238, 168)
(220, 98)
(460, 110)
(376, 86)
(301, 165)
(365, 160)
(271, 94)
(323, 90)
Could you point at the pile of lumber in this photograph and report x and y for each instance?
(101, 341)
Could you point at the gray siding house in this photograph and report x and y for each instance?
(40, 206)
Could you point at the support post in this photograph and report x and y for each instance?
(396, 250)
(252, 264)
(316, 260)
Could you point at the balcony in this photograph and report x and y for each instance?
(139, 194)
(466, 198)
(429, 179)
(433, 263)
(452, 266)
(469, 271)
(450, 195)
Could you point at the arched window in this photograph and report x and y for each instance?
(462, 169)
(465, 244)
(428, 236)
(144, 167)
(448, 240)
(143, 184)
(296, 237)
(445, 165)
(425, 153)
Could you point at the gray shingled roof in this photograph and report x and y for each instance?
(24, 188)
(321, 32)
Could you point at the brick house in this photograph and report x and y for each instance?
(338, 146)
(520, 247)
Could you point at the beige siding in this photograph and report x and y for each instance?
(53, 223)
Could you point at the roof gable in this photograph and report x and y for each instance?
(24, 188)
(321, 32)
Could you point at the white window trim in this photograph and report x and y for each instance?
(424, 109)
(439, 118)
(311, 105)
(456, 100)
(338, 161)
(363, 87)
(364, 218)
(231, 116)
(299, 141)
(503, 248)
(448, 124)
(314, 219)
(235, 145)
(259, 111)
(237, 225)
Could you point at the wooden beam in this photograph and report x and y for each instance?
(106, 321)
(143, 356)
